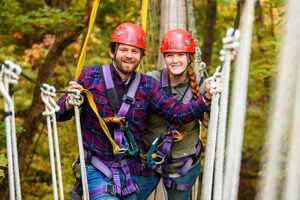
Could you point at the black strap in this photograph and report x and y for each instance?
(112, 96)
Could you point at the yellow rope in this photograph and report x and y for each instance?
(90, 28)
(89, 96)
(144, 15)
(144, 18)
(78, 71)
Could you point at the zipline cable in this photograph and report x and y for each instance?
(38, 83)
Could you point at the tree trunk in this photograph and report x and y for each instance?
(260, 23)
(209, 30)
(173, 16)
(33, 117)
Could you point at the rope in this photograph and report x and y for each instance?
(79, 69)
(238, 106)
(211, 138)
(84, 47)
(9, 75)
(280, 120)
(230, 45)
(76, 101)
(292, 185)
(47, 96)
(144, 19)
(144, 15)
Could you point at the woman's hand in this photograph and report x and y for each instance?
(207, 88)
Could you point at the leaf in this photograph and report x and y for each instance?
(3, 160)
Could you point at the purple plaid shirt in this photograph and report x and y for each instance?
(149, 95)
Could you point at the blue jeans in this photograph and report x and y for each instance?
(149, 183)
(97, 179)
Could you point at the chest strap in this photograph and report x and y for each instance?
(120, 110)
(119, 162)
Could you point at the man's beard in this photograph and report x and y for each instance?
(123, 71)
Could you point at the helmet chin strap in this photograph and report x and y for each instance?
(115, 55)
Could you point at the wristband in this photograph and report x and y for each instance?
(206, 99)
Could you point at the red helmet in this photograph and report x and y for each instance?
(130, 34)
(178, 40)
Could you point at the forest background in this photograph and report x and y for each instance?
(45, 38)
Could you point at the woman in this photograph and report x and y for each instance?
(173, 151)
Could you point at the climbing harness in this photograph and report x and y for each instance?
(123, 137)
(9, 76)
(47, 95)
(160, 150)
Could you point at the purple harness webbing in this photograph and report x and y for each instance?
(169, 183)
(177, 186)
(120, 160)
(166, 149)
(164, 78)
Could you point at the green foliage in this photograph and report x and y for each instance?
(3, 163)
(22, 30)
(17, 22)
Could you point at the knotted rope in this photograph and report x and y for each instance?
(238, 106)
(227, 54)
(211, 137)
(47, 95)
(9, 76)
(75, 100)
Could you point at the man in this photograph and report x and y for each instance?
(116, 88)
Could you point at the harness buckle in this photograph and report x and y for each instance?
(88, 158)
(111, 189)
(123, 150)
(162, 159)
(174, 185)
(115, 165)
(137, 187)
(177, 136)
(128, 99)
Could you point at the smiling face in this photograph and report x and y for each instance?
(176, 62)
(127, 58)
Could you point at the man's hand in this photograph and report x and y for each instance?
(73, 85)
